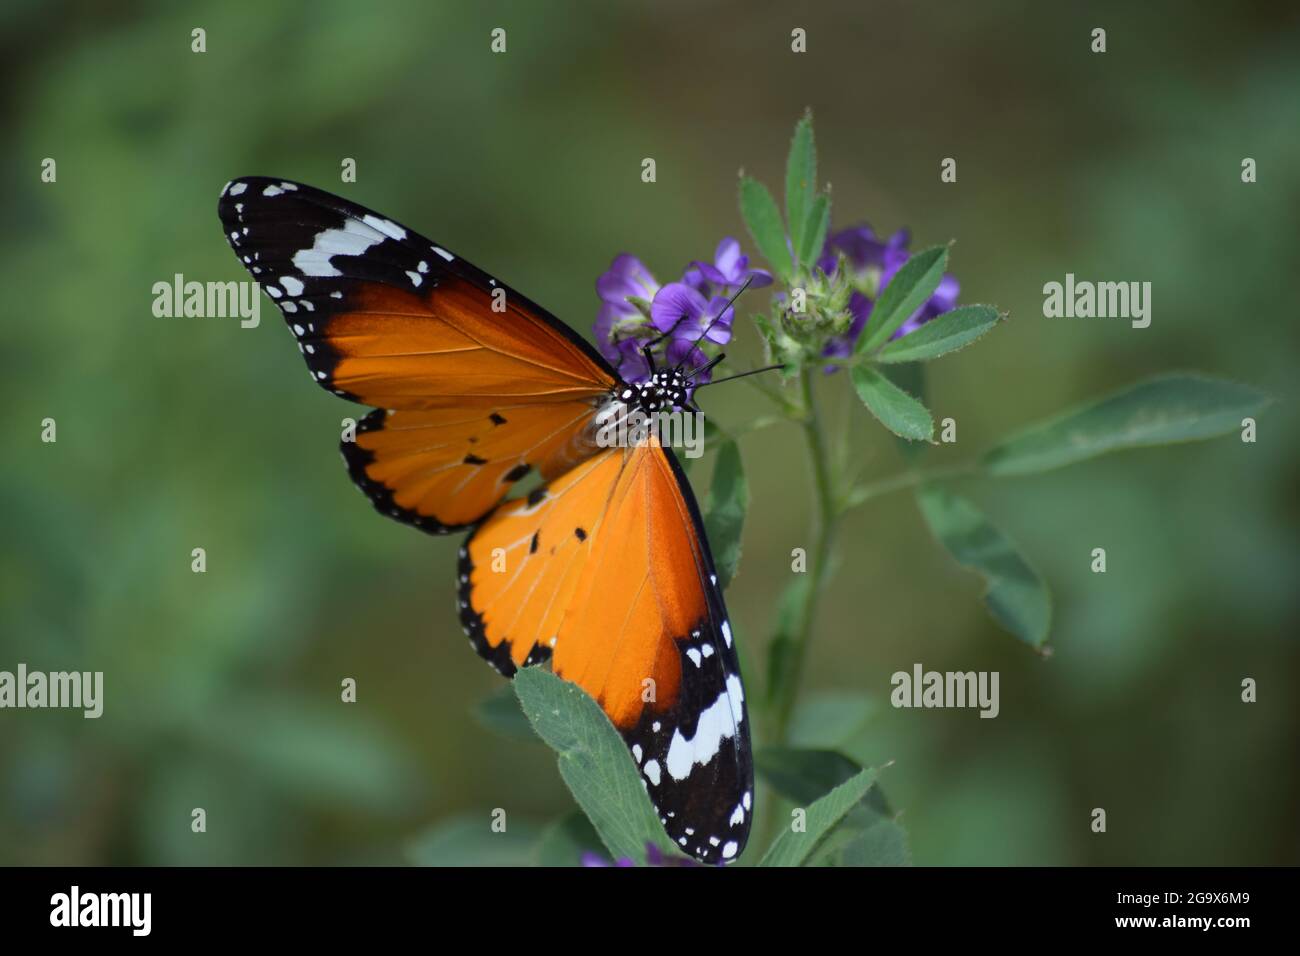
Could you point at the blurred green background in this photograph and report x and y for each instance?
(222, 689)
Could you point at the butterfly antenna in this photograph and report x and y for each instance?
(693, 373)
(729, 378)
(723, 311)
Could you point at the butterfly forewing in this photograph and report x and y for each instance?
(387, 318)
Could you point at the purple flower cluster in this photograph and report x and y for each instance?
(653, 857)
(864, 252)
(683, 315)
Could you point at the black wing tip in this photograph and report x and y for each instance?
(340, 205)
(708, 811)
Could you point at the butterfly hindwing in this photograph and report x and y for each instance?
(607, 574)
(461, 362)
(443, 469)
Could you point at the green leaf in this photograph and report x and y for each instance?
(725, 508)
(1015, 595)
(830, 719)
(868, 834)
(879, 841)
(563, 842)
(894, 408)
(800, 180)
(499, 711)
(763, 220)
(1164, 410)
(594, 762)
(792, 849)
(884, 844)
(803, 775)
(910, 377)
(943, 334)
(906, 292)
(470, 841)
(813, 234)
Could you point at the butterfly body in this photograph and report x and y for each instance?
(666, 389)
(603, 570)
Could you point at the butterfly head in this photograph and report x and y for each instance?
(666, 389)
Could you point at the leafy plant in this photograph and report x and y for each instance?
(841, 302)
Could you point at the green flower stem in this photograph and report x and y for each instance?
(907, 479)
(829, 504)
(826, 507)
(773, 395)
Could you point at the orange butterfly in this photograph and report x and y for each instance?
(603, 570)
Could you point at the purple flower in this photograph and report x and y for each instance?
(653, 857)
(626, 277)
(862, 252)
(628, 358)
(689, 356)
(690, 320)
(619, 321)
(683, 317)
(730, 269)
(684, 313)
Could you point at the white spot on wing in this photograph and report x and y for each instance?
(291, 285)
(352, 240)
(444, 253)
(390, 229)
(651, 771)
(238, 188)
(717, 722)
